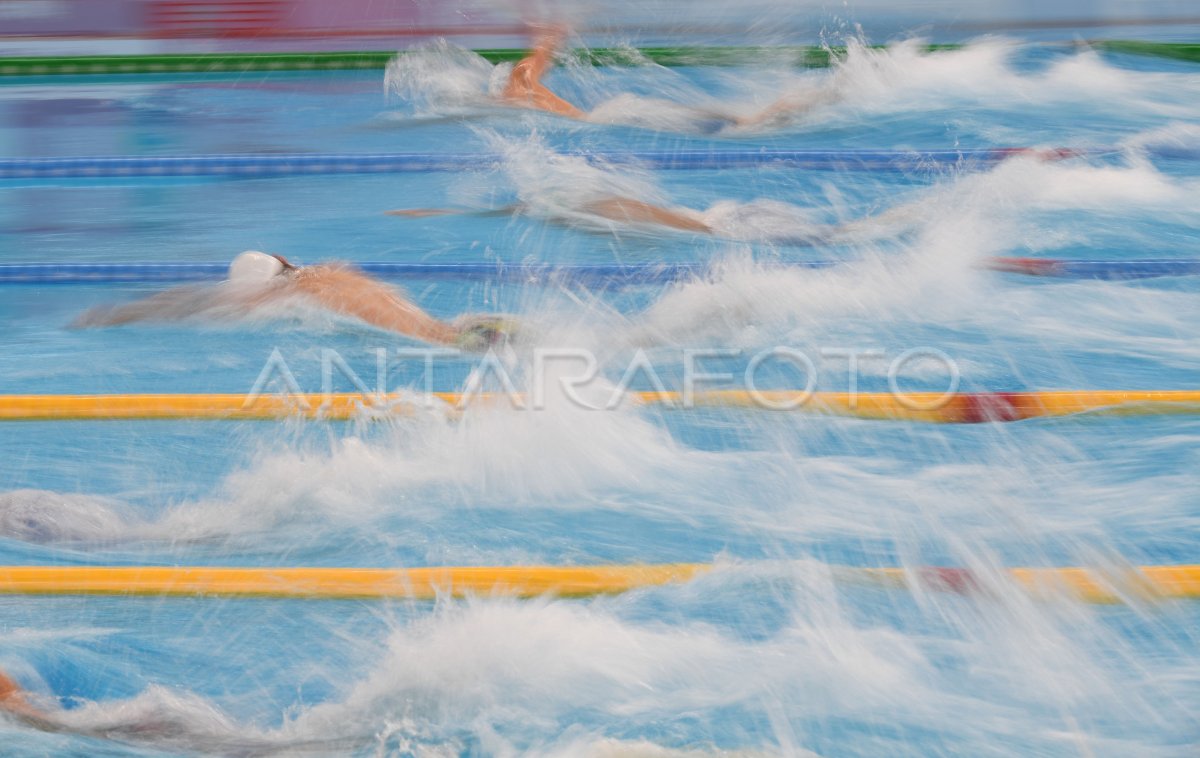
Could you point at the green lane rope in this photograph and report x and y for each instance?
(1182, 51)
(221, 63)
(234, 63)
(207, 63)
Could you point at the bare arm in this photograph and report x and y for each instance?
(525, 86)
(623, 209)
(12, 700)
(172, 305)
(546, 42)
(888, 223)
(423, 212)
(629, 210)
(346, 291)
(789, 107)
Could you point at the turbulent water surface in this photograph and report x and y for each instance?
(768, 655)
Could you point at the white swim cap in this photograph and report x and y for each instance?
(253, 266)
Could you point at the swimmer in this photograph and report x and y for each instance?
(570, 190)
(524, 89)
(164, 729)
(625, 210)
(763, 221)
(258, 279)
(13, 701)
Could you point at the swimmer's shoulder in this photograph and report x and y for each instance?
(330, 274)
(326, 268)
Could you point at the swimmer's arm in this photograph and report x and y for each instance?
(506, 210)
(172, 305)
(894, 220)
(545, 45)
(629, 210)
(12, 700)
(351, 293)
(525, 86)
(790, 106)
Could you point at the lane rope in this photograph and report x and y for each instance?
(223, 63)
(537, 273)
(1110, 270)
(927, 407)
(1086, 585)
(338, 583)
(569, 273)
(269, 165)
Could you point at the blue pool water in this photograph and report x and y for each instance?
(765, 657)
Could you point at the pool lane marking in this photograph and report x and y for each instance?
(1086, 585)
(266, 165)
(927, 407)
(807, 56)
(347, 583)
(580, 273)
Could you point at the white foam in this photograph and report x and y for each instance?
(903, 77)
(44, 516)
(439, 76)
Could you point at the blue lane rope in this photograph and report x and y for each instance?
(536, 273)
(542, 273)
(270, 165)
(1149, 268)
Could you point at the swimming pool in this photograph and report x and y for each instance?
(766, 655)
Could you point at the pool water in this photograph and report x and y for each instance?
(765, 656)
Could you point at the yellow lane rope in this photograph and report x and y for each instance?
(931, 407)
(339, 583)
(1088, 585)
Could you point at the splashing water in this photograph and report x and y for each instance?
(774, 652)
